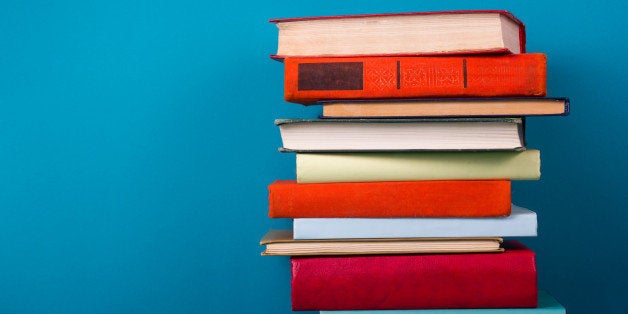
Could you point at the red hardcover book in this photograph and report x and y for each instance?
(311, 79)
(490, 198)
(500, 280)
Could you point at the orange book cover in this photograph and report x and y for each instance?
(447, 198)
(311, 79)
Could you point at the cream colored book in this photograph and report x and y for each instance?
(409, 166)
(445, 107)
(281, 242)
(411, 33)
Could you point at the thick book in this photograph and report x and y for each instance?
(411, 33)
(309, 79)
(546, 305)
(453, 134)
(414, 166)
(445, 107)
(389, 199)
(282, 243)
(429, 281)
(522, 222)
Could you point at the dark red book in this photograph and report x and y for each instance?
(386, 282)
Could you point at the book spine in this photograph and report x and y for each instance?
(521, 223)
(490, 198)
(369, 167)
(504, 280)
(312, 79)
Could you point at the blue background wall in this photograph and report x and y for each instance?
(137, 141)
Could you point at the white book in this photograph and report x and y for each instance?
(342, 135)
(521, 223)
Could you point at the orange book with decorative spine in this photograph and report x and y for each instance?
(312, 79)
(447, 198)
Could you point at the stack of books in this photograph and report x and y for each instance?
(402, 195)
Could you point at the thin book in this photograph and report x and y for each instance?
(445, 107)
(281, 242)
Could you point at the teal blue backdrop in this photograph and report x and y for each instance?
(137, 141)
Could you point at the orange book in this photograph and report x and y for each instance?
(312, 79)
(472, 198)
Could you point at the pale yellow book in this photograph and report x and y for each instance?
(409, 166)
(281, 242)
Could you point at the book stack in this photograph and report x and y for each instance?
(402, 197)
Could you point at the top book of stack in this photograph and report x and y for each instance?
(401, 34)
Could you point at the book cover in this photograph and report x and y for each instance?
(452, 134)
(409, 33)
(445, 107)
(522, 222)
(415, 166)
(281, 242)
(388, 199)
(310, 79)
(546, 305)
(429, 281)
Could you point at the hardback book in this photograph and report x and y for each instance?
(414, 166)
(455, 134)
(281, 242)
(311, 79)
(546, 305)
(445, 107)
(412, 33)
(389, 199)
(521, 223)
(423, 281)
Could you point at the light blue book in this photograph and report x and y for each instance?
(547, 304)
(521, 223)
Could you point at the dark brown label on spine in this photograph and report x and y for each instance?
(331, 76)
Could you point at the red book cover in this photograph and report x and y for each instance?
(473, 198)
(311, 79)
(384, 282)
